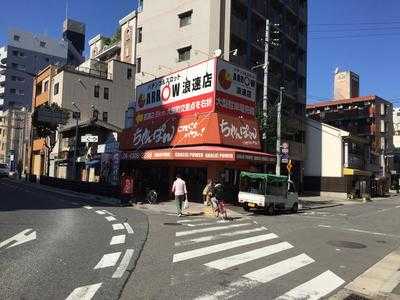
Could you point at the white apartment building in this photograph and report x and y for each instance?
(396, 127)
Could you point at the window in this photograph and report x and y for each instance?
(382, 109)
(21, 67)
(42, 44)
(17, 38)
(185, 18)
(56, 88)
(22, 54)
(20, 79)
(382, 125)
(96, 91)
(129, 74)
(140, 34)
(14, 66)
(184, 53)
(139, 65)
(21, 92)
(105, 116)
(15, 52)
(13, 91)
(47, 59)
(46, 86)
(106, 93)
(14, 78)
(38, 88)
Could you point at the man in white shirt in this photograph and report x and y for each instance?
(180, 193)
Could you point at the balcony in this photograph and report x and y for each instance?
(239, 27)
(301, 67)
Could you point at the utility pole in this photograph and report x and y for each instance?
(278, 133)
(77, 116)
(265, 90)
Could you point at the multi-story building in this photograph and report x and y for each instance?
(26, 54)
(94, 86)
(369, 117)
(171, 35)
(346, 85)
(14, 136)
(337, 164)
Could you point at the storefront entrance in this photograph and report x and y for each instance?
(196, 180)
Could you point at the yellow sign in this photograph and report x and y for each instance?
(289, 166)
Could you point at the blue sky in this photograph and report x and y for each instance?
(368, 42)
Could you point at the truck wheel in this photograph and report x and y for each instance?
(246, 207)
(295, 208)
(271, 210)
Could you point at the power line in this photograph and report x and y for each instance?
(354, 29)
(354, 36)
(354, 23)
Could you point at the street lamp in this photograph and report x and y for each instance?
(76, 116)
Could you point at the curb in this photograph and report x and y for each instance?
(320, 206)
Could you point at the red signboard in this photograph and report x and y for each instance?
(209, 128)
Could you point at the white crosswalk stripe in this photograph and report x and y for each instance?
(316, 288)
(257, 260)
(218, 236)
(231, 261)
(108, 260)
(215, 228)
(222, 247)
(279, 269)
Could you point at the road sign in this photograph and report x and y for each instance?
(285, 145)
(285, 158)
(89, 138)
(285, 150)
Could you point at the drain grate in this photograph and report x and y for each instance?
(347, 244)
(172, 224)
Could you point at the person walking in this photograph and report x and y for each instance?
(180, 192)
(207, 192)
(126, 189)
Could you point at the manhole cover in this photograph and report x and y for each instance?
(346, 244)
(172, 224)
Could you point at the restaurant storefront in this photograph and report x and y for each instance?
(198, 122)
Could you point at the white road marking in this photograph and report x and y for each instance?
(19, 238)
(218, 236)
(190, 220)
(316, 288)
(234, 260)
(118, 226)
(124, 264)
(233, 290)
(222, 247)
(110, 219)
(398, 206)
(110, 213)
(359, 231)
(194, 231)
(84, 292)
(279, 269)
(128, 228)
(100, 212)
(88, 207)
(108, 260)
(118, 239)
(207, 223)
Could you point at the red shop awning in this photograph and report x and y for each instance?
(200, 153)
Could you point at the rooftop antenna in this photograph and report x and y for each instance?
(66, 9)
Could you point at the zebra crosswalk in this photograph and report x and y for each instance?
(222, 260)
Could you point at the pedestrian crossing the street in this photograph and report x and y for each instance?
(223, 260)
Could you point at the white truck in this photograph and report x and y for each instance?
(267, 192)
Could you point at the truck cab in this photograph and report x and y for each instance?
(267, 192)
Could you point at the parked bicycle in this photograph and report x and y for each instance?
(151, 196)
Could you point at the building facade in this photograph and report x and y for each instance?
(94, 87)
(346, 85)
(172, 35)
(369, 117)
(25, 54)
(14, 136)
(337, 164)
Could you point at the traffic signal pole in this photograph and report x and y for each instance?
(278, 133)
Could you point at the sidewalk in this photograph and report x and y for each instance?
(169, 207)
(317, 202)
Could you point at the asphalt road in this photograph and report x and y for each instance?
(81, 249)
(309, 255)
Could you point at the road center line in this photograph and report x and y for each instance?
(124, 264)
(128, 228)
(359, 231)
(84, 292)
